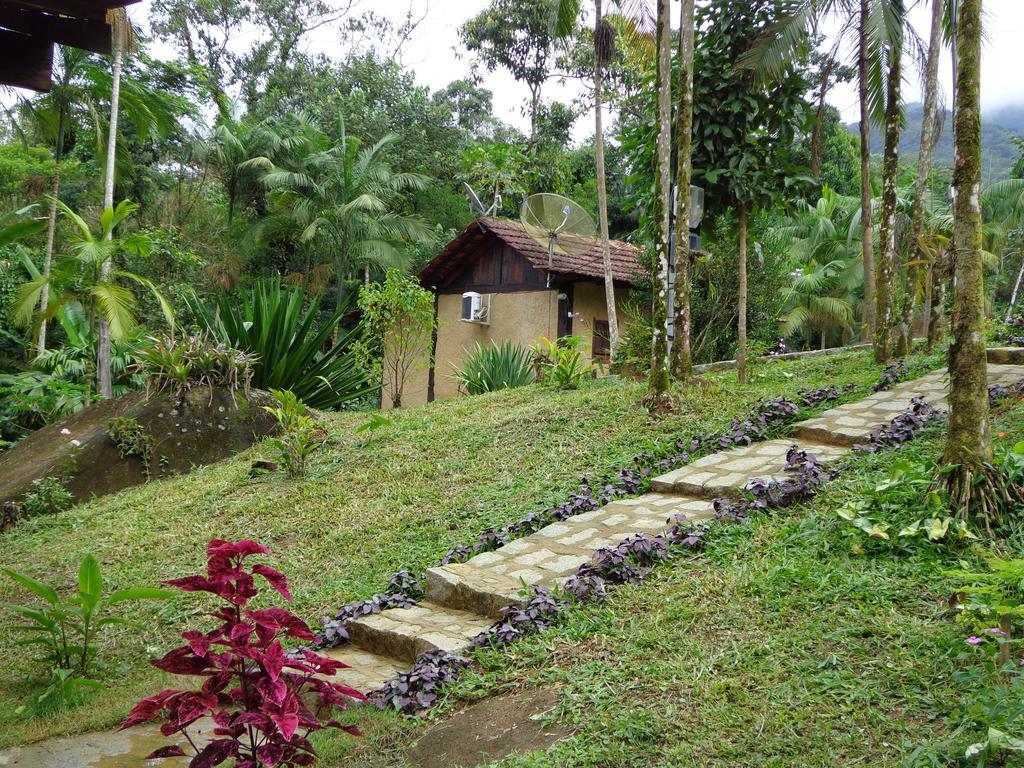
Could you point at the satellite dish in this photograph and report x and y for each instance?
(474, 202)
(557, 223)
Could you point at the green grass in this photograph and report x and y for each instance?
(373, 502)
(777, 646)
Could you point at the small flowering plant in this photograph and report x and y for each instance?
(264, 702)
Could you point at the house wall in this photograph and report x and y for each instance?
(521, 317)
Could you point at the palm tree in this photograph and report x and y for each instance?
(968, 443)
(345, 197)
(682, 356)
(88, 275)
(658, 398)
(878, 25)
(812, 303)
(924, 157)
(80, 86)
(885, 271)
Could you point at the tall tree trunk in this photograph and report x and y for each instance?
(819, 123)
(924, 159)
(937, 307)
(106, 385)
(968, 444)
(867, 233)
(658, 398)
(51, 225)
(887, 219)
(682, 356)
(741, 334)
(600, 52)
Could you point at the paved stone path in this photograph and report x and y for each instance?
(464, 598)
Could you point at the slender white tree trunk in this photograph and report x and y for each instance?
(602, 188)
(682, 355)
(106, 388)
(741, 341)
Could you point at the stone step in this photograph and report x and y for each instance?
(724, 474)
(367, 671)
(1006, 355)
(853, 423)
(405, 633)
(492, 580)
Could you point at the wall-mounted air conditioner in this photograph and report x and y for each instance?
(476, 308)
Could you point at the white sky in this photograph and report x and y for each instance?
(436, 57)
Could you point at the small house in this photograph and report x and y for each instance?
(495, 282)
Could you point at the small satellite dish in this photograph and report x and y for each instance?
(474, 202)
(557, 223)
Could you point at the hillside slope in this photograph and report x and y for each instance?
(373, 502)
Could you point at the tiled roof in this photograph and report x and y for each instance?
(588, 263)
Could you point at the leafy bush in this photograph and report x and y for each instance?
(399, 318)
(994, 595)
(274, 323)
(47, 497)
(131, 439)
(560, 363)
(265, 700)
(298, 439)
(31, 400)
(66, 629)
(493, 367)
(180, 364)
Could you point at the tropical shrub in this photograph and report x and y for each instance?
(559, 364)
(298, 438)
(265, 700)
(290, 343)
(47, 497)
(178, 364)
(131, 439)
(66, 629)
(398, 317)
(992, 600)
(495, 366)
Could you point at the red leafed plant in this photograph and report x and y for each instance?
(264, 702)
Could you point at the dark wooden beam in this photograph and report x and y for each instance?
(78, 33)
(25, 62)
(82, 9)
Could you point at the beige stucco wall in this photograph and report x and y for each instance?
(522, 318)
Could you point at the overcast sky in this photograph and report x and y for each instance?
(436, 57)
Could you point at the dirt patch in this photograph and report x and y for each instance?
(490, 730)
(201, 428)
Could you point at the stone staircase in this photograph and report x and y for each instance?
(464, 599)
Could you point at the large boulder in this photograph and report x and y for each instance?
(201, 427)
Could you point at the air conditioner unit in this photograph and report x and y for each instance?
(476, 308)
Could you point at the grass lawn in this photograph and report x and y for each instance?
(777, 646)
(401, 496)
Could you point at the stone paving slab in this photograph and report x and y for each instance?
(726, 473)
(368, 671)
(1006, 355)
(405, 633)
(854, 422)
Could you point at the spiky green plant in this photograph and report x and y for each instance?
(495, 366)
(290, 341)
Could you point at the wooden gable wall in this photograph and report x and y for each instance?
(492, 266)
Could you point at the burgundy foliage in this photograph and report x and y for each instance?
(904, 427)
(894, 373)
(417, 689)
(264, 701)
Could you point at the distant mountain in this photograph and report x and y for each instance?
(998, 128)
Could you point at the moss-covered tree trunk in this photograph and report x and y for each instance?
(603, 41)
(937, 306)
(682, 355)
(885, 272)
(924, 159)
(867, 233)
(741, 330)
(968, 445)
(658, 398)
